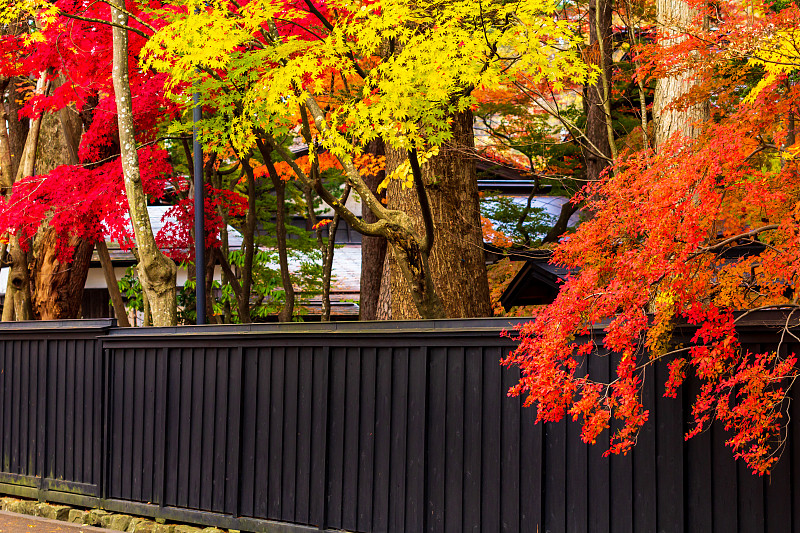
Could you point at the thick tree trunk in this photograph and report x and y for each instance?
(59, 284)
(598, 153)
(157, 272)
(373, 249)
(6, 165)
(18, 291)
(675, 17)
(384, 307)
(285, 314)
(456, 264)
(17, 128)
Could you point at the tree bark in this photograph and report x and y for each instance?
(157, 272)
(248, 244)
(675, 18)
(17, 128)
(457, 265)
(57, 285)
(373, 249)
(18, 291)
(595, 101)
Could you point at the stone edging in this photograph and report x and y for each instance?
(99, 518)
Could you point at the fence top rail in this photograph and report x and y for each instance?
(58, 325)
(412, 327)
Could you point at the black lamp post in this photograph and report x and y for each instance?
(199, 218)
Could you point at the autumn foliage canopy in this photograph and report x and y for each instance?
(698, 235)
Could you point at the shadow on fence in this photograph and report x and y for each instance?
(397, 426)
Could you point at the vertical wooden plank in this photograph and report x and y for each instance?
(276, 430)
(577, 472)
(69, 412)
(208, 424)
(351, 439)
(473, 433)
(336, 413)
(417, 435)
(35, 398)
(173, 438)
(555, 471)
(530, 474)
(21, 411)
(224, 432)
(196, 383)
(184, 430)
(510, 468)
(437, 438)
(43, 411)
(397, 462)
(366, 445)
(725, 495)
(454, 441)
(778, 498)
(793, 448)
(128, 379)
(150, 387)
(493, 396)
(83, 389)
(289, 482)
(233, 457)
(644, 462)
(383, 416)
(249, 426)
(319, 426)
(305, 413)
(751, 500)
(669, 445)
(136, 435)
(698, 484)
(599, 475)
(160, 440)
(5, 371)
(97, 452)
(263, 423)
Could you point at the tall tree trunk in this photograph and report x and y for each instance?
(57, 284)
(17, 128)
(18, 291)
(157, 272)
(596, 104)
(674, 18)
(373, 249)
(285, 314)
(6, 165)
(456, 264)
(248, 244)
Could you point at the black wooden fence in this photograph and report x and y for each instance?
(397, 426)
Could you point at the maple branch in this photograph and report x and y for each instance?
(729, 240)
(575, 131)
(422, 195)
(131, 15)
(351, 172)
(107, 23)
(373, 229)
